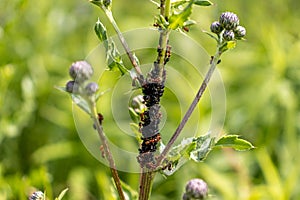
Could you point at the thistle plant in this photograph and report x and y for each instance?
(153, 155)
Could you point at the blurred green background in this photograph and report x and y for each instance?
(39, 146)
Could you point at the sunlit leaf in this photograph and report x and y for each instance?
(62, 194)
(161, 21)
(234, 142)
(78, 100)
(101, 32)
(189, 23)
(99, 94)
(177, 20)
(136, 130)
(97, 2)
(191, 148)
(203, 2)
(134, 116)
(114, 60)
(81, 103)
(177, 3)
(204, 145)
(61, 88)
(211, 35)
(155, 3)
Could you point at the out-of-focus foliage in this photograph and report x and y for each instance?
(39, 147)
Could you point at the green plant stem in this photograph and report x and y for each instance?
(106, 149)
(146, 181)
(167, 9)
(192, 107)
(165, 6)
(163, 42)
(147, 175)
(124, 44)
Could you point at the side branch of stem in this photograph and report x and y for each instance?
(192, 107)
(107, 152)
(125, 45)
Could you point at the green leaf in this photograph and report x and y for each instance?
(234, 142)
(203, 147)
(211, 35)
(100, 94)
(155, 3)
(117, 66)
(133, 115)
(177, 156)
(161, 21)
(61, 88)
(203, 2)
(79, 100)
(97, 2)
(101, 32)
(177, 20)
(62, 194)
(81, 103)
(191, 148)
(136, 130)
(177, 3)
(189, 23)
(114, 59)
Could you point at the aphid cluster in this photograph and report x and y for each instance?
(168, 54)
(152, 90)
(150, 119)
(152, 93)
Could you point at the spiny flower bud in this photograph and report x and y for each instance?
(91, 88)
(228, 35)
(38, 195)
(216, 27)
(81, 71)
(72, 87)
(196, 189)
(240, 32)
(229, 20)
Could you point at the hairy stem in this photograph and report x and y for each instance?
(107, 152)
(192, 107)
(124, 44)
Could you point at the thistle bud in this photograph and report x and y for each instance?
(216, 27)
(196, 189)
(72, 87)
(38, 195)
(229, 20)
(240, 32)
(91, 88)
(228, 35)
(81, 71)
